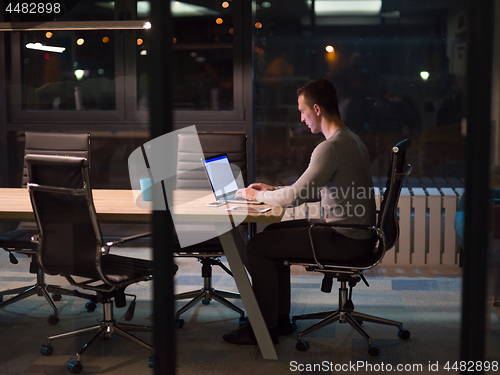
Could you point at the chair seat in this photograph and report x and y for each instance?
(122, 269)
(19, 239)
(355, 264)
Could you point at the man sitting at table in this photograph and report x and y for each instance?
(339, 173)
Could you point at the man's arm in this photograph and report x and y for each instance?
(323, 164)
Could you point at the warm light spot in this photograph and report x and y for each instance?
(329, 49)
(258, 25)
(259, 51)
(46, 56)
(218, 21)
(147, 25)
(48, 35)
(231, 31)
(174, 40)
(139, 41)
(424, 75)
(225, 4)
(80, 41)
(105, 39)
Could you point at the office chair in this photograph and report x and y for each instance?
(191, 176)
(19, 240)
(387, 229)
(70, 244)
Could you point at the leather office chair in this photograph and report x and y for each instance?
(70, 244)
(191, 176)
(387, 229)
(19, 240)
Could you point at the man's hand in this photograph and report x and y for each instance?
(261, 186)
(249, 193)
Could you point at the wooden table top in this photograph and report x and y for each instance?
(113, 205)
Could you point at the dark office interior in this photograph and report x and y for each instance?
(129, 71)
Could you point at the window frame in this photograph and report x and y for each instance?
(126, 112)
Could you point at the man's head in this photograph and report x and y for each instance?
(321, 92)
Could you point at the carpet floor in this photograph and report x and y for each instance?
(426, 299)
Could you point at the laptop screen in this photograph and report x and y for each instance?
(220, 175)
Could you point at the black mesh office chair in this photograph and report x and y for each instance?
(19, 240)
(70, 244)
(387, 229)
(191, 176)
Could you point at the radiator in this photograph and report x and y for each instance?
(426, 223)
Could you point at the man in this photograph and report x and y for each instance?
(338, 172)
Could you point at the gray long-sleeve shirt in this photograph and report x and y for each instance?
(339, 173)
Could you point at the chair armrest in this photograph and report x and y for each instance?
(352, 226)
(105, 248)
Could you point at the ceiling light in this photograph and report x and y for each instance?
(180, 9)
(39, 47)
(347, 7)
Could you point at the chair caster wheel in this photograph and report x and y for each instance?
(243, 321)
(404, 334)
(46, 349)
(75, 367)
(179, 323)
(205, 302)
(56, 297)
(373, 350)
(52, 320)
(90, 306)
(151, 362)
(302, 345)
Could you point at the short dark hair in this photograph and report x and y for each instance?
(322, 92)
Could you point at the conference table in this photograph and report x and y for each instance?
(189, 206)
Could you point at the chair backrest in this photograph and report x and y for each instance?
(61, 196)
(56, 143)
(399, 168)
(190, 173)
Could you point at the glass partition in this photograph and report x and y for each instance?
(204, 56)
(399, 68)
(68, 70)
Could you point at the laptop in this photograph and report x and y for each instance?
(222, 180)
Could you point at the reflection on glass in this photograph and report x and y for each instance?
(399, 73)
(203, 56)
(68, 70)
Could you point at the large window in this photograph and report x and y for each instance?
(399, 68)
(68, 70)
(101, 71)
(88, 70)
(207, 61)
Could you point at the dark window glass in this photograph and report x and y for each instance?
(80, 76)
(203, 53)
(399, 72)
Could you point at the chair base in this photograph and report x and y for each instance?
(346, 314)
(353, 318)
(41, 289)
(105, 329)
(206, 295)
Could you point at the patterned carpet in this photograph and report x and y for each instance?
(427, 300)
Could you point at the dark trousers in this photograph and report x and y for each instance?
(266, 252)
